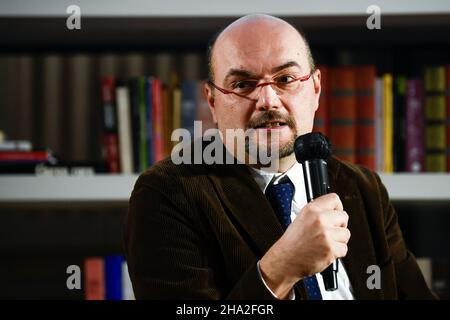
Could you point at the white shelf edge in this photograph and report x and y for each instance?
(417, 187)
(98, 188)
(198, 8)
(118, 188)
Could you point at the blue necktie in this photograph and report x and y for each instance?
(280, 197)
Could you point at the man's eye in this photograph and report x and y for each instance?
(244, 85)
(284, 79)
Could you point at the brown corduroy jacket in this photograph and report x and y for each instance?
(197, 232)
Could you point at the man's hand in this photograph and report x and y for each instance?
(316, 238)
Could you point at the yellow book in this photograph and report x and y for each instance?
(176, 120)
(388, 130)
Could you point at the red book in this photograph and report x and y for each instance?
(94, 278)
(24, 156)
(343, 113)
(321, 116)
(110, 133)
(365, 116)
(158, 146)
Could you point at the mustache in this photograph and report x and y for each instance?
(269, 116)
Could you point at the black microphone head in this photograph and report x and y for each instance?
(312, 145)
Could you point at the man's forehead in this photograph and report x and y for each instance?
(259, 56)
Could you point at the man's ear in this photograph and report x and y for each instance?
(317, 87)
(210, 98)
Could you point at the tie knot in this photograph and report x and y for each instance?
(280, 196)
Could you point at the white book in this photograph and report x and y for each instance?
(15, 145)
(124, 123)
(127, 287)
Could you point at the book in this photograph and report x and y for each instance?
(379, 141)
(135, 123)
(94, 278)
(189, 101)
(127, 287)
(447, 91)
(414, 121)
(16, 145)
(388, 127)
(124, 124)
(157, 117)
(143, 155)
(435, 130)
(365, 115)
(113, 277)
(110, 134)
(343, 113)
(399, 126)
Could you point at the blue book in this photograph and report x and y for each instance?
(113, 277)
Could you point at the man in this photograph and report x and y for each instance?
(214, 232)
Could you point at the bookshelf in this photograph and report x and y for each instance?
(99, 202)
(91, 189)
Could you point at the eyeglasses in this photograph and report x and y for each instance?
(247, 89)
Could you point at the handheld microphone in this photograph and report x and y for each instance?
(312, 150)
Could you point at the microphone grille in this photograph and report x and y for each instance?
(312, 145)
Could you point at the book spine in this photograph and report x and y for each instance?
(124, 115)
(142, 126)
(157, 120)
(435, 130)
(379, 149)
(176, 110)
(149, 120)
(110, 137)
(135, 123)
(127, 287)
(343, 113)
(414, 140)
(388, 123)
(447, 81)
(365, 127)
(24, 156)
(399, 123)
(94, 278)
(189, 101)
(113, 277)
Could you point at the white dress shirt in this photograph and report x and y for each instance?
(295, 174)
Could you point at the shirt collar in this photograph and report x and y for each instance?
(295, 174)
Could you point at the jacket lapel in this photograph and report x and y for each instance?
(247, 206)
(361, 252)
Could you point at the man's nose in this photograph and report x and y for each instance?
(267, 98)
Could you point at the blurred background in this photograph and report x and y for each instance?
(89, 96)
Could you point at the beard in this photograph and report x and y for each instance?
(285, 149)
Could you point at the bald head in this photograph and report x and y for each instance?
(256, 28)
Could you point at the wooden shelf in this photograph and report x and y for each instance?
(117, 188)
